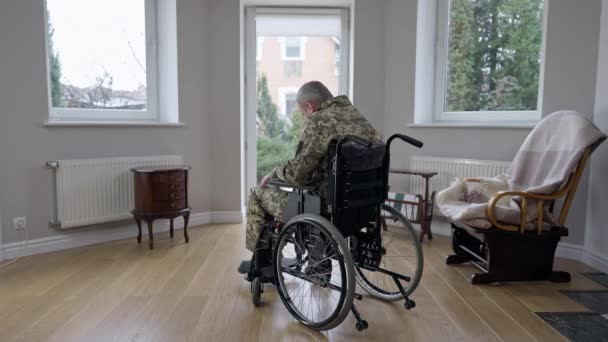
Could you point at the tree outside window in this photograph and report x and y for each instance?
(493, 55)
(277, 137)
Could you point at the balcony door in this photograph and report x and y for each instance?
(285, 48)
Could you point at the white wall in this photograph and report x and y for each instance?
(25, 145)
(223, 31)
(209, 101)
(369, 59)
(571, 53)
(596, 238)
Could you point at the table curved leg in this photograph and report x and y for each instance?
(150, 234)
(186, 218)
(138, 220)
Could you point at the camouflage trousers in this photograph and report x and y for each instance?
(263, 201)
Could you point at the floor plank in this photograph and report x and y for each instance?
(121, 291)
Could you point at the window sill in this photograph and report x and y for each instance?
(70, 123)
(472, 125)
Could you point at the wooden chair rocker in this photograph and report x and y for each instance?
(508, 252)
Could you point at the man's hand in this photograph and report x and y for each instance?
(265, 179)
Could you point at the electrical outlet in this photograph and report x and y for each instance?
(19, 223)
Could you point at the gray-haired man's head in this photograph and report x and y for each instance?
(311, 95)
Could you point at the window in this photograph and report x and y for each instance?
(288, 100)
(292, 69)
(488, 60)
(102, 60)
(292, 48)
(291, 104)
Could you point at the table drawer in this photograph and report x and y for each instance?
(169, 205)
(178, 177)
(169, 192)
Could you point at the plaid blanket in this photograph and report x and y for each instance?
(543, 164)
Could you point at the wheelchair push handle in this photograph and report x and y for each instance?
(405, 138)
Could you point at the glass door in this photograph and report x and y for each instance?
(287, 47)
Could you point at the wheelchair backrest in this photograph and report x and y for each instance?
(357, 182)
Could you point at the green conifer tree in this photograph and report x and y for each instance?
(54, 69)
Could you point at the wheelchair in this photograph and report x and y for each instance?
(331, 243)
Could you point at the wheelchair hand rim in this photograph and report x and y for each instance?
(343, 260)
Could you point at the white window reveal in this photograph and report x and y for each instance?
(102, 60)
(292, 48)
(259, 49)
(338, 55)
(489, 60)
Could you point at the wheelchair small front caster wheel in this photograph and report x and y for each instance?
(256, 291)
(361, 325)
(410, 304)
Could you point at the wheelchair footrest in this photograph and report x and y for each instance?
(244, 267)
(267, 273)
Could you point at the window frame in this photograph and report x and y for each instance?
(302, 55)
(440, 115)
(338, 55)
(283, 92)
(150, 115)
(259, 49)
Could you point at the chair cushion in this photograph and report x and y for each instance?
(482, 191)
(484, 224)
(478, 223)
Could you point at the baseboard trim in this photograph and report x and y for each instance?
(570, 251)
(226, 217)
(580, 253)
(85, 237)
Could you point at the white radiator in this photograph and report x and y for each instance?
(90, 191)
(449, 169)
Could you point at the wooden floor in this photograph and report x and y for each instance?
(121, 291)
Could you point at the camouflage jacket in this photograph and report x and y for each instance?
(334, 118)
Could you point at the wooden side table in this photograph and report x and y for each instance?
(160, 193)
(426, 204)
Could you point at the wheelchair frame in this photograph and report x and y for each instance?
(347, 216)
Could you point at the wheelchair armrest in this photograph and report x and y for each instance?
(280, 183)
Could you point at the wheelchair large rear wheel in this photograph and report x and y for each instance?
(314, 272)
(401, 253)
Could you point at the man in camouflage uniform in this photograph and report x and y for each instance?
(326, 118)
